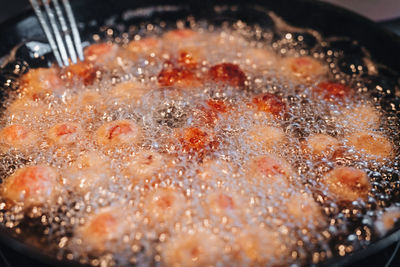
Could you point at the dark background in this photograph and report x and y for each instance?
(377, 10)
(10, 8)
(386, 11)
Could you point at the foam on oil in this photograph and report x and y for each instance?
(161, 111)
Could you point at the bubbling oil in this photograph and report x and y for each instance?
(203, 180)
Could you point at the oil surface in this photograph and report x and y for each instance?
(200, 203)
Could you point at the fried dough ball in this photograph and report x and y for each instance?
(23, 106)
(270, 166)
(191, 57)
(40, 83)
(228, 73)
(146, 164)
(258, 246)
(303, 210)
(89, 171)
(333, 92)
(212, 170)
(83, 71)
(196, 140)
(145, 46)
(200, 248)
(270, 104)
(388, 220)
(347, 184)
(129, 92)
(179, 37)
(32, 186)
(266, 137)
(304, 69)
(260, 58)
(64, 133)
(179, 77)
(213, 111)
(86, 180)
(270, 172)
(102, 229)
(91, 159)
(372, 145)
(100, 53)
(107, 56)
(117, 133)
(361, 118)
(221, 41)
(225, 204)
(88, 101)
(17, 136)
(219, 106)
(164, 205)
(321, 145)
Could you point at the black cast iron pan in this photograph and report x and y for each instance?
(383, 46)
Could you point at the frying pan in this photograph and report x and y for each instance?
(327, 19)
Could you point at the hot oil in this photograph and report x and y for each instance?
(161, 111)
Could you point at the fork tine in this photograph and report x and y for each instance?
(56, 31)
(47, 31)
(66, 31)
(74, 28)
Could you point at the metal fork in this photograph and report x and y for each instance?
(65, 47)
